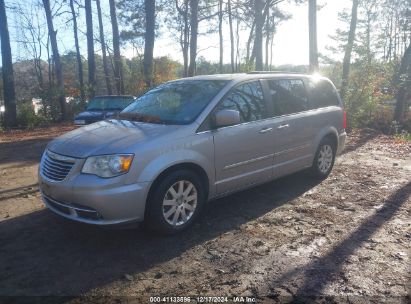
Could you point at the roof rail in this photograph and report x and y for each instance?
(274, 72)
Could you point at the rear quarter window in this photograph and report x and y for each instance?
(323, 94)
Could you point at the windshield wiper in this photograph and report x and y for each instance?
(141, 118)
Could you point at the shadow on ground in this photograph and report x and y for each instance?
(366, 136)
(43, 254)
(19, 189)
(24, 152)
(322, 271)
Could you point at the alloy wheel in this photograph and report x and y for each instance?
(180, 202)
(325, 158)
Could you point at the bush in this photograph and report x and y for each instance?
(74, 106)
(27, 118)
(382, 120)
(403, 136)
(406, 125)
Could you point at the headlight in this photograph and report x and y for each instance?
(108, 165)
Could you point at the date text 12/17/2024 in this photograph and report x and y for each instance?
(202, 299)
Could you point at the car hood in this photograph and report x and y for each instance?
(107, 137)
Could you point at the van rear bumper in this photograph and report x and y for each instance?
(341, 142)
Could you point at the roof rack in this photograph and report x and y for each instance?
(274, 72)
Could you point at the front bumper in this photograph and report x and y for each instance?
(94, 200)
(86, 121)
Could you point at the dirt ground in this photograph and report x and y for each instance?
(345, 240)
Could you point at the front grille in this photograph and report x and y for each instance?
(56, 167)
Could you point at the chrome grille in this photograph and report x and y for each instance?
(56, 167)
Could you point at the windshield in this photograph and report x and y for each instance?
(178, 102)
(108, 103)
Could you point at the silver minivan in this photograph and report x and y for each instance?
(188, 141)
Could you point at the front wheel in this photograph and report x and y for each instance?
(175, 203)
(324, 159)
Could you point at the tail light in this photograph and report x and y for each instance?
(345, 120)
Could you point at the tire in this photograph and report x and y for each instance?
(324, 158)
(169, 212)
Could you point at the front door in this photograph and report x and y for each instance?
(244, 152)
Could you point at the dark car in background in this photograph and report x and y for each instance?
(102, 107)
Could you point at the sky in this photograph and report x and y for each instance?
(290, 42)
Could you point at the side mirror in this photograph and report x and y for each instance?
(226, 118)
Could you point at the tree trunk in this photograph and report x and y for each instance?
(49, 64)
(56, 59)
(118, 69)
(368, 38)
(39, 73)
(78, 55)
(103, 49)
(271, 49)
(267, 37)
(312, 25)
(230, 22)
(90, 50)
(389, 52)
(220, 34)
(403, 81)
(348, 50)
(194, 36)
(149, 36)
(185, 59)
(186, 39)
(258, 41)
(10, 119)
(250, 39)
(237, 57)
(272, 40)
(253, 54)
(395, 38)
(49, 71)
(185, 34)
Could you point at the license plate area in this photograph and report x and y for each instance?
(79, 122)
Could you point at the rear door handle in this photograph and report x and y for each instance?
(283, 127)
(266, 130)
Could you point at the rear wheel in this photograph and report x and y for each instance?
(324, 158)
(175, 203)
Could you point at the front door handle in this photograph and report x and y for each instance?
(283, 127)
(266, 130)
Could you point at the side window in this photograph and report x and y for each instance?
(323, 94)
(248, 99)
(288, 96)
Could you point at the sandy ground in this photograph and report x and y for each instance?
(344, 240)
